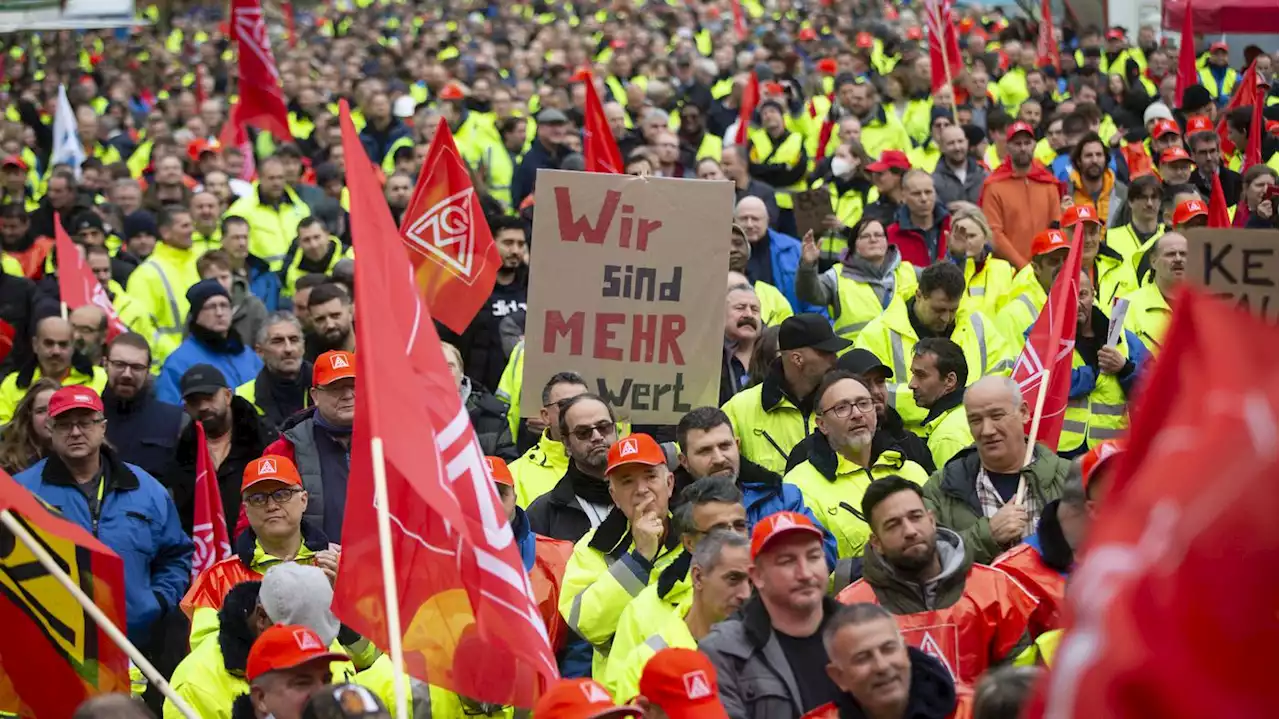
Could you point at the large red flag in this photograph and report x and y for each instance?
(1219, 215)
(76, 283)
(739, 20)
(598, 145)
(52, 654)
(1046, 43)
(261, 99)
(746, 109)
(1247, 93)
(445, 230)
(1050, 346)
(1188, 75)
(209, 528)
(944, 45)
(471, 624)
(1172, 611)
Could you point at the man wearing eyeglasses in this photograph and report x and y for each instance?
(844, 460)
(210, 340)
(580, 501)
(143, 429)
(120, 503)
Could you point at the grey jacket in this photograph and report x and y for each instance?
(950, 188)
(756, 681)
(824, 289)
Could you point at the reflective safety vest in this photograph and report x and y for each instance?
(1148, 317)
(925, 157)
(202, 243)
(1216, 90)
(848, 207)
(271, 229)
(293, 264)
(857, 303)
(665, 630)
(509, 386)
(499, 169)
(985, 286)
(539, 469)
(837, 503)
(789, 152)
(1021, 307)
(892, 338)
(1113, 277)
(947, 434)
(1049, 586)
(766, 433)
(11, 394)
(159, 286)
(648, 610)
(1100, 415)
(774, 307)
(1124, 241)
(1041, 651)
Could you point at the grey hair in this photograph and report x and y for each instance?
(853, 615)
(1008, 384)
(272, 320)
(706, 65)
(742, 287)
(708, 550)
(704, 491)
(1003, 692)
(1073, 494)
(655, 113)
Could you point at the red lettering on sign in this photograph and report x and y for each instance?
(644, 331)
(557, 326)
(605, 334)
(672, 327)
(574, 228)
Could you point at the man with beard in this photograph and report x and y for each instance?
(1092, 183)
(143, 429)
(329, 309)
(1020, 198)
(89, 328)
(1206, 150)
(843, 459)
(958, 177)
(481, 343)
(282, 387)
(234, 435)
(399, 191)
(742, 329)
(580, 501)
(314, 251)
(1149, 307)
(210, 340)
(969, 616)
(778, 633)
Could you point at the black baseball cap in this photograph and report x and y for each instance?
(87, 220)
(202, 379)
(860, 361)
(345, 701)
(809, 330)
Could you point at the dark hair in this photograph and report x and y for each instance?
(852, 615)
(945, 276)
(1089, 112)
(310, 281)
(568, 402)
(1003, 692)
(498, 223)
(96, 250)
(1146, 184)
(1078, 151)
(227, 222)
(702, 419)
(858, 227)
(1253, 173)
(704, 491)
(880, 490)
(948, 357)
(130, 339)
(1075, 124)
(998, 121)
(308, 221)
(328, 292)
(560, 378)
(1241, 118)
(167, 214)
(13, 211)
(831, 378)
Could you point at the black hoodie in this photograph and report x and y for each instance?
(932, 692)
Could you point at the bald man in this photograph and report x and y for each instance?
(89, 332)
(55, 357)
(775, 256)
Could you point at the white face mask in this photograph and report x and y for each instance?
(841, 167)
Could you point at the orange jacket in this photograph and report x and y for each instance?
(547, 576)
(1019, 208)
(1025, 564)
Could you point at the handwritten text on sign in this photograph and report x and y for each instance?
(627, 288)
(1238, 265)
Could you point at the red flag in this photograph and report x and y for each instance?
(944, 46)
(1188, 75)
(739, 20)
(290, 23)
(52, 654)
(209, 528)
(598, 146)
(235, 134)
(747, 108)
(471, 624)
(1190, 510)
(445, 230)
(1253, 153)
(201, 95)
(76, 283)
(1219, 215)
(261, 100)
(1053, 336)
(1046, 43)
(1247, 93)
(827, 128)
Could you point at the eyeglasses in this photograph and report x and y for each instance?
(585, 433)
(738, 525)
(119, 366)
(280, 496)
(844, 410)
(84, 425)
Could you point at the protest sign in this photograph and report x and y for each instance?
(811, 208)
(627, 288)
(1240, 266)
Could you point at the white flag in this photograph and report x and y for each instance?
(67, 147)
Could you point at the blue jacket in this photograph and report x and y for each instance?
(238, 367)
(137, 520)
(1085, 377)
(263, 284)
(784, 255)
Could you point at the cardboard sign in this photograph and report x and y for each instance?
(811, 208)
(1119, 310)
(1241, 266)
(627, 289)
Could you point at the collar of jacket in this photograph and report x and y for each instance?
(905, 222)
(246, 431)
(945, 403)
(932, 694)
(959, 475)
(231, 344)
(971, 168)
(1055, 551)
(613, 536)
(483, 400)
(546, 448)
(81, 370)
(674, 574)
(884, 578)
(286, 198)
(123, 407)
(774, 389)
(922, 331)
(858, 269)
(234, 635)
(750, 474)
(246, 544)
(118, 474)
(759, 628)
(875, 118)
(1105, 251)
(824, 458)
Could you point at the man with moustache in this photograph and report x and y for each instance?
(282, 387)
(1092, 182)
(1149, 307)
(332, 321)
(143, 429)
(580, 501)
(742, 328)
(774, 307)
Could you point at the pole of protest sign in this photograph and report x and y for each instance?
(394, 636)
(111, 630)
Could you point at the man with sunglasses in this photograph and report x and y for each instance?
(580, 501)
(120, 503)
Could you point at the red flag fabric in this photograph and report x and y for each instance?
(1219, 215)
(1190, 510)
(1247, 93)
(1253, 153)
(1046, 43)
(448, 237)
(76, 283)
(201, 94)
(598, 145)
(1188, 75)
(747, 109)
(1050, 346)
(261, 99)
(739, 20)
(471, 624)
(209, 528)
(52, 654)
(944, 45)
(290, 23)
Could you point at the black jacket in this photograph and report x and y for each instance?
(891, 433)
(144, 430)
(557, 514)
(1231, 184)
(248, 439)
(483, 355)
(932, 692)
(489, 420)
(18, 310)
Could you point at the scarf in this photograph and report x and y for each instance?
(590, 489)
(229, 345)
(280, 397)
(332, 429)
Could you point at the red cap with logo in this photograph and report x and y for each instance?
(1197, 124)
(333, 366)
(499, 471)
(285, 646)
(273, 468)
(1048, 241)
(864, 40)
(1017, 127)
(15, 161)
(1079, 213)
(682, 683)
(890, 159)
(1189, 210)
(779, 524)
(1115, 33)
(1174, 154)
(1164, 127)
(580, 699)
(1219, 46)
(635, 449)
(451, 92)
(915, 33)
(74, 397)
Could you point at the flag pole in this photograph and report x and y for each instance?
(391, 596)
(1035, 430)
(111, 630)
(935, 9)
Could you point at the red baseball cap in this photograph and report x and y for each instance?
(864, 40)
(1017, 127)
(828, 66)
(333, 366)
(682, 683)
(580, 699)
(635, 449)
(15, 161)
(451, 92)
(915, 33)
(1095, 458)
(890, 159)
(1174, 154)
(199, 146)
(1115, 33)
(1079, 213)
(806, 34)
(285, 646)
(778, 524)
(1198, 123)
(1215, 47)
(74, 397)
(499, 472)
(1164, 127)
(1048, 241)
(1188, 210)
(1272, 126)
(270, 467)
